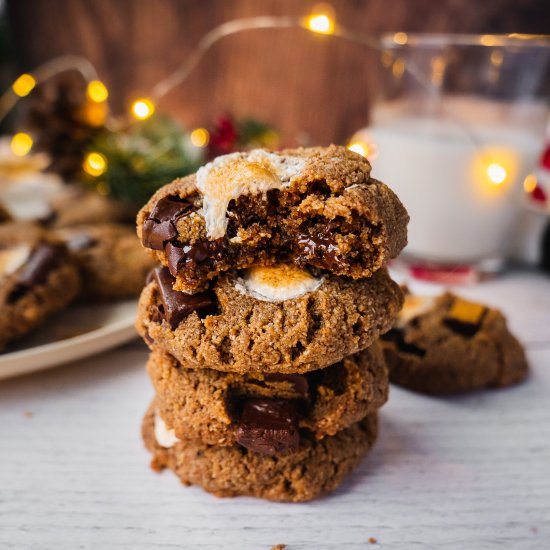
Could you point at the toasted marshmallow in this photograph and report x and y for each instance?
(13, 258)
(277, 283)
(413, 307)
(165, 437)
(230, 176)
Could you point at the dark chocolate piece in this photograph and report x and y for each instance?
(461, 327)
(80, 241)
(320, 250)
(192, 255)
(42, 260)
(178, 305)
(269, 426)
(160, 226)
(298, 381)
(397, 335)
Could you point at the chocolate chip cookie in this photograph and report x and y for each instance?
(208, 405)
(448, 345)
(314, 207)
(315, 468)
(112, 263)
(275, 320)
(37, 278)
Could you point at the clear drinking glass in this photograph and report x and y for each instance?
(458, 124)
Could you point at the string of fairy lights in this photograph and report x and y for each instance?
(321, 21)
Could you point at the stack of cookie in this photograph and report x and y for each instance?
(263, 320)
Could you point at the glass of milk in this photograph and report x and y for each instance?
(458, 125)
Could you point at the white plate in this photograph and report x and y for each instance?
(79, 331)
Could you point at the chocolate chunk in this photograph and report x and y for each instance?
(298, 381)
(397, 335)
(160, 226)
(462, 328)
(178, 305)
(80, 241)
(269, 426)
(192, 255)
(42, 260)
(320, 250)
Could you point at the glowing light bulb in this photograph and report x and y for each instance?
(359, 147)
(142, 109)
(97, 91)
(497, 173)
(530, 183)
(320, 23)
(21, 144)
(95, 164)
(23, 85)
(400, 38)
(200, 137)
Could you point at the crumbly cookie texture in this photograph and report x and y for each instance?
(112, 262)
(312, 207)
(207, 405)
(37, 279)
(234, 332)
(452, 345)
(316, 468)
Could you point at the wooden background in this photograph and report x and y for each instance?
(303, 83)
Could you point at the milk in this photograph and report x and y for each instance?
(461, 182)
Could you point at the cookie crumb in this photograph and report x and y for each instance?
(279, 547)
(28, 414)
(372, 540)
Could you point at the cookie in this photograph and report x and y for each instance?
(315, 468)
(208, 405)
(448, 345)
(312, 207)
(37, 278)
(78, 206)
(112, 263)
(267, 322)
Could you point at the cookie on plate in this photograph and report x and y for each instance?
(112, 263)
(37, 278)
(447, 345)
(315, 468)
(208, 405)
(78, 206)
(314, 207)
(267, 319)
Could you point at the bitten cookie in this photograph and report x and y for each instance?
(448, 345)
(112, 263)
(37, 279)
(268, 319)
(312, 207)
(317, 467)
(208, 405)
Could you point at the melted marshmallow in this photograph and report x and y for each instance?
(12, 259)
(413, 307)
(230, 176)
(165, 437)
(277, 283)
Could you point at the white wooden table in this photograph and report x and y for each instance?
(471, 472)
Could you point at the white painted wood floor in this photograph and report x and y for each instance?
(471, 472)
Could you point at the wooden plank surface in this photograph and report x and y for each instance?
(465, 472)
(305, 84)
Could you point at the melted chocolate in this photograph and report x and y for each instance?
(160, 225)
(321, 250)
(41, 262)
(178, 305)
(298, 381)
(269, 426)
(397, 335)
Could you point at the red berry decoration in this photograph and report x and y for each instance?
(223, 137)
(538, 194)
(545, 158)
